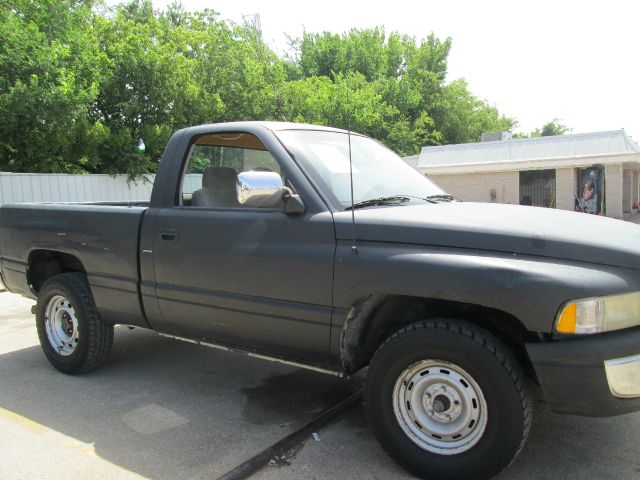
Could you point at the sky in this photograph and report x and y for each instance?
(578, 61)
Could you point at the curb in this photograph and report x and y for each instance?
(260, 460)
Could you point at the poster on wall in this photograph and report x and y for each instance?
(590, 194)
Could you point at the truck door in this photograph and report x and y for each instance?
(256, 278)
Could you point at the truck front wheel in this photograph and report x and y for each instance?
(72, 335)
(447, 400)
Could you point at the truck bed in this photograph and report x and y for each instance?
(104, 237)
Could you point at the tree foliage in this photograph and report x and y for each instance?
(81, 84)
(549, 129)
(50, 74)
(554, 127)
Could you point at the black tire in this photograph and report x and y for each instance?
(90, 342)
(476, 353)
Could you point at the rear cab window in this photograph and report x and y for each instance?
(213, 164)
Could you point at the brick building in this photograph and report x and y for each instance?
(593, 172)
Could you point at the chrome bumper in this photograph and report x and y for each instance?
(623, 376)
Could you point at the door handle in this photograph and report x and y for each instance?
(167, 235)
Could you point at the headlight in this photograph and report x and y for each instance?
(600, 314)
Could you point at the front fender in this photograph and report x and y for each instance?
(529, 288)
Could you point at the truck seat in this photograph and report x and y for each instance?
(218, 188)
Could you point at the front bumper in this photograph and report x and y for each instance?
(595, 376)
(623, 376)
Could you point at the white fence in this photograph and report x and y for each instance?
(53, 187)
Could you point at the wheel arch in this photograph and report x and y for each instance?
(372, 319)
(44, 264)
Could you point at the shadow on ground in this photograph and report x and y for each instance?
(165, 409)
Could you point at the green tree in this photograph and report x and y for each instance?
(82, 84)
(50, 70)
(554, 127)
(549, 129)
(462, 118)
(172, 69)
(409, 81)
(148, 89)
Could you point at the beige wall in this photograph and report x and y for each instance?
(627, 191)
(476, 187)
(636, 187)
(566, 188)
(613, 190)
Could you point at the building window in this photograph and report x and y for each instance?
(590, 194)
(538, 188)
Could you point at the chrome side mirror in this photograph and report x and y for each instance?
(260, 190)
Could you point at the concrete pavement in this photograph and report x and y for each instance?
(165, 409)
(159, 408)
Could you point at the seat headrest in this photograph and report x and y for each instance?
(219, 177)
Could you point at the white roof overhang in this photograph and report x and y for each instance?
(630, 160)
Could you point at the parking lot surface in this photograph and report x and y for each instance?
(165, 409)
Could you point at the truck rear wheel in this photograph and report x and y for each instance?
(447, 400)
(72, 335)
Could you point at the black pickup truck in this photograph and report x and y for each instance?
(321, 248)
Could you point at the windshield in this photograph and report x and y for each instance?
(378, 173)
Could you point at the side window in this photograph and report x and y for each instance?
(211, 170)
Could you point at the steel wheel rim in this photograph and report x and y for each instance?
(440, 407)
(61, 325)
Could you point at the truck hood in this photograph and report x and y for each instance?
(500, 228)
